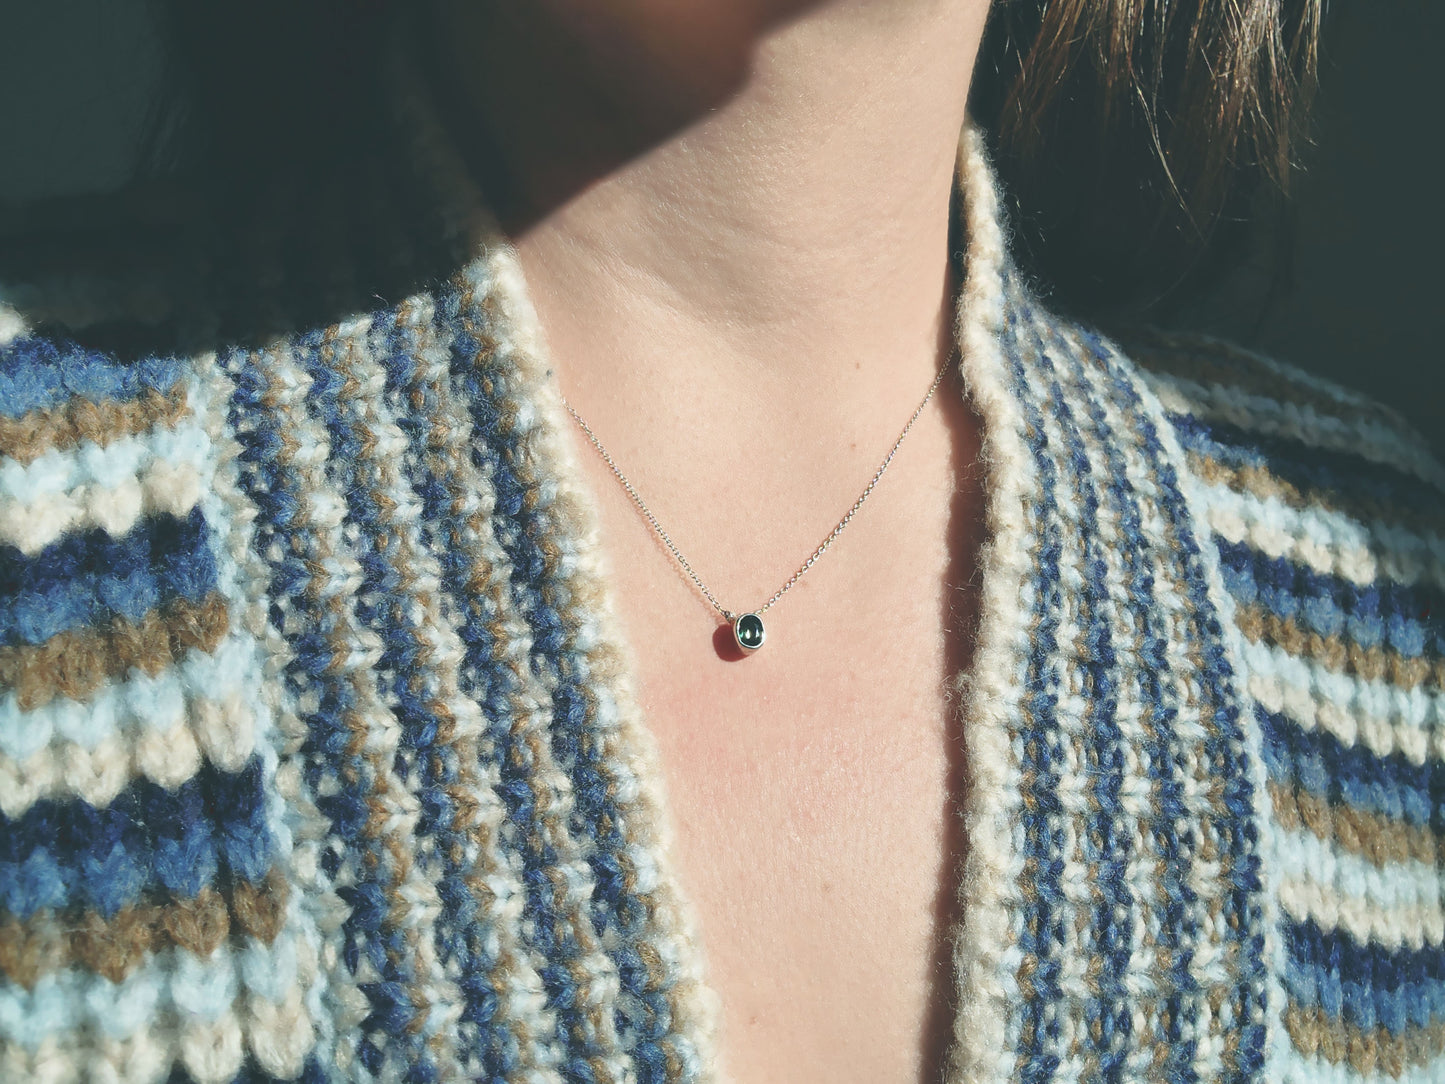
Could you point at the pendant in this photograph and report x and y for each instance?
(748, 631)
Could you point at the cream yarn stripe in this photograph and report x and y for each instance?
(984, 1049)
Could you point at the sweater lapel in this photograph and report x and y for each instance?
(1112, 916)
(1113, 919)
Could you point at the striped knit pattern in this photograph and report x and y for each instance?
(1114, 917)
(372, 545)
(1329, 521)
(319, 757)
(149, 917)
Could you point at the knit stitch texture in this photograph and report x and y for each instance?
(319, 758)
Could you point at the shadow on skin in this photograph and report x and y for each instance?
(307, 211)
(582, 90)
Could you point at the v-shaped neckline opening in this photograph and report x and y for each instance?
(979, 1005)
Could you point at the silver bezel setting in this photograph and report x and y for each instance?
(738, 632)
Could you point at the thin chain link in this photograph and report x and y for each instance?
(667, 541)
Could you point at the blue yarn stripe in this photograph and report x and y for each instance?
(385, 606)
(1408, 619)
(1175, 930)
(90, 577)
(332, 771)
(336, 773)
(542, 592)
(71, 854)
(37, 373)
(1107, 843)
(461, 937)
(1225, 746)
(1303, 465)
(1040, 937)
(517, 532)
(1366, 984)
(1318, 762)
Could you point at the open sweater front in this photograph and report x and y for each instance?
(319, 759)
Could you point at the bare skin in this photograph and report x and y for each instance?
(733, 222)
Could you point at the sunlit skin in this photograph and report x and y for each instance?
(733, 223)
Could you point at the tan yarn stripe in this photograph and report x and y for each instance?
(335, 573)
(376, 469)
(1379, 839)
(1078, 948)
(1208, 868)
(514, 976)
(618, 747)
(1211, 866)
(31, 435)
(1147, 957)
(1341, 655)
(75, 663)
(314, 911)
(571, 878)
(1218, 363)
(1368, 1051)
(45, 943)
(1264, 484)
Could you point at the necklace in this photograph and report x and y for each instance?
(748, 629)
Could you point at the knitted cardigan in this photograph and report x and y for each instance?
(319, 756)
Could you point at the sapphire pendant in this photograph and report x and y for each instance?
(748, 631)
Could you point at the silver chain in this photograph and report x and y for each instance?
(667, 541)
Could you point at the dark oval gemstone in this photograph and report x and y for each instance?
(748, 629)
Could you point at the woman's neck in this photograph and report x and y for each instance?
(744, 207)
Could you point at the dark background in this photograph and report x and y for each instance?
(1357, 299)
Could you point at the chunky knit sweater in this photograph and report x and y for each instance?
(319, 757)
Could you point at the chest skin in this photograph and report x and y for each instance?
(812, 787)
